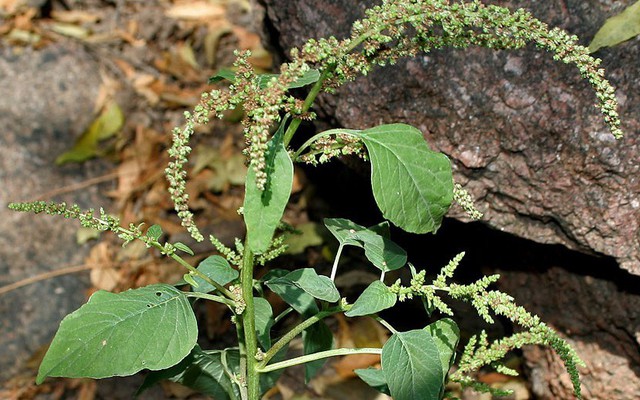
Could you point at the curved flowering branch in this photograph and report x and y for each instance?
(394, 29)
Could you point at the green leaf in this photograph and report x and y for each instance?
(375, 378)
(188, 278)
(412, 184)
(383, 253)
(201, 371)
(308, 78)
(264, 321)
(154, 232)
(316, 338)
(446, 334)
(297, 298)
(152, 327)
(307, 279)
(411, 366)
(375, 298)
(618, 29)
(107, 124)
(223, 74)
(183, 247)
(216, 268)
(263, 209)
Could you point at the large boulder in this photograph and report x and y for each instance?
(526, 140)
(48, 99)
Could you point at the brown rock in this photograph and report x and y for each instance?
(527, 142)
(521, 129)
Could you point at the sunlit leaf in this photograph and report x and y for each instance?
(308, 280)
(375, 298)
(218, 270)
(120, 334)
(412, 185)
(263, 209)
(411, 366)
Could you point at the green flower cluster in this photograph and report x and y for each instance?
(87, 218)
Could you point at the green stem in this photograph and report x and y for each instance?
(318, 356)
(282, 315)
(289, 336)
(212, 297)
(335, 262)
(385, 324)
(308, 101)
(249, 326)
(315, 137)
(182, 262)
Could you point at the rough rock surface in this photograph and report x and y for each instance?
(527, 142)
(522, 130)
(41, 113)
(604, 332)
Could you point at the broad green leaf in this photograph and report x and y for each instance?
(316, 338)
(375, 378)
(375, 298)
(263, 209)
(264, 321)
(379, 249)
(618, 28)
(105, 126)
(412, 185)
(307, 279)
(297, 298)
(382, 252)
(154, 232)
(153, 327)
(216, 268)
(308, 78)
(411, 366)
(344, 230)
(446, 334)
(201, 371)
(183, 247)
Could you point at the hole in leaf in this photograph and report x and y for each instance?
(149, 305)
(158, 294)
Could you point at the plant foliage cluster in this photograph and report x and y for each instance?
(154, 327)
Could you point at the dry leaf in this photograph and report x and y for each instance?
(105, 126)
(197, 10)
(71, 30)
(74, 16)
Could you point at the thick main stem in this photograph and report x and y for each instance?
(251, 375)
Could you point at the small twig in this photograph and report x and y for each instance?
(47, 275)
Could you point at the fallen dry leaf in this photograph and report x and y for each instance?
(196, 10)
(74, 16)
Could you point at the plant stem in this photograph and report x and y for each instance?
(289, 336)
(335, 262)
(249, 325)
(308, 101)
(212, 297)
(318, 356)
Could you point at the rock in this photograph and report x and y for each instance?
(603, 330)
(527, 142)
(48, 99)
(522, 130)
